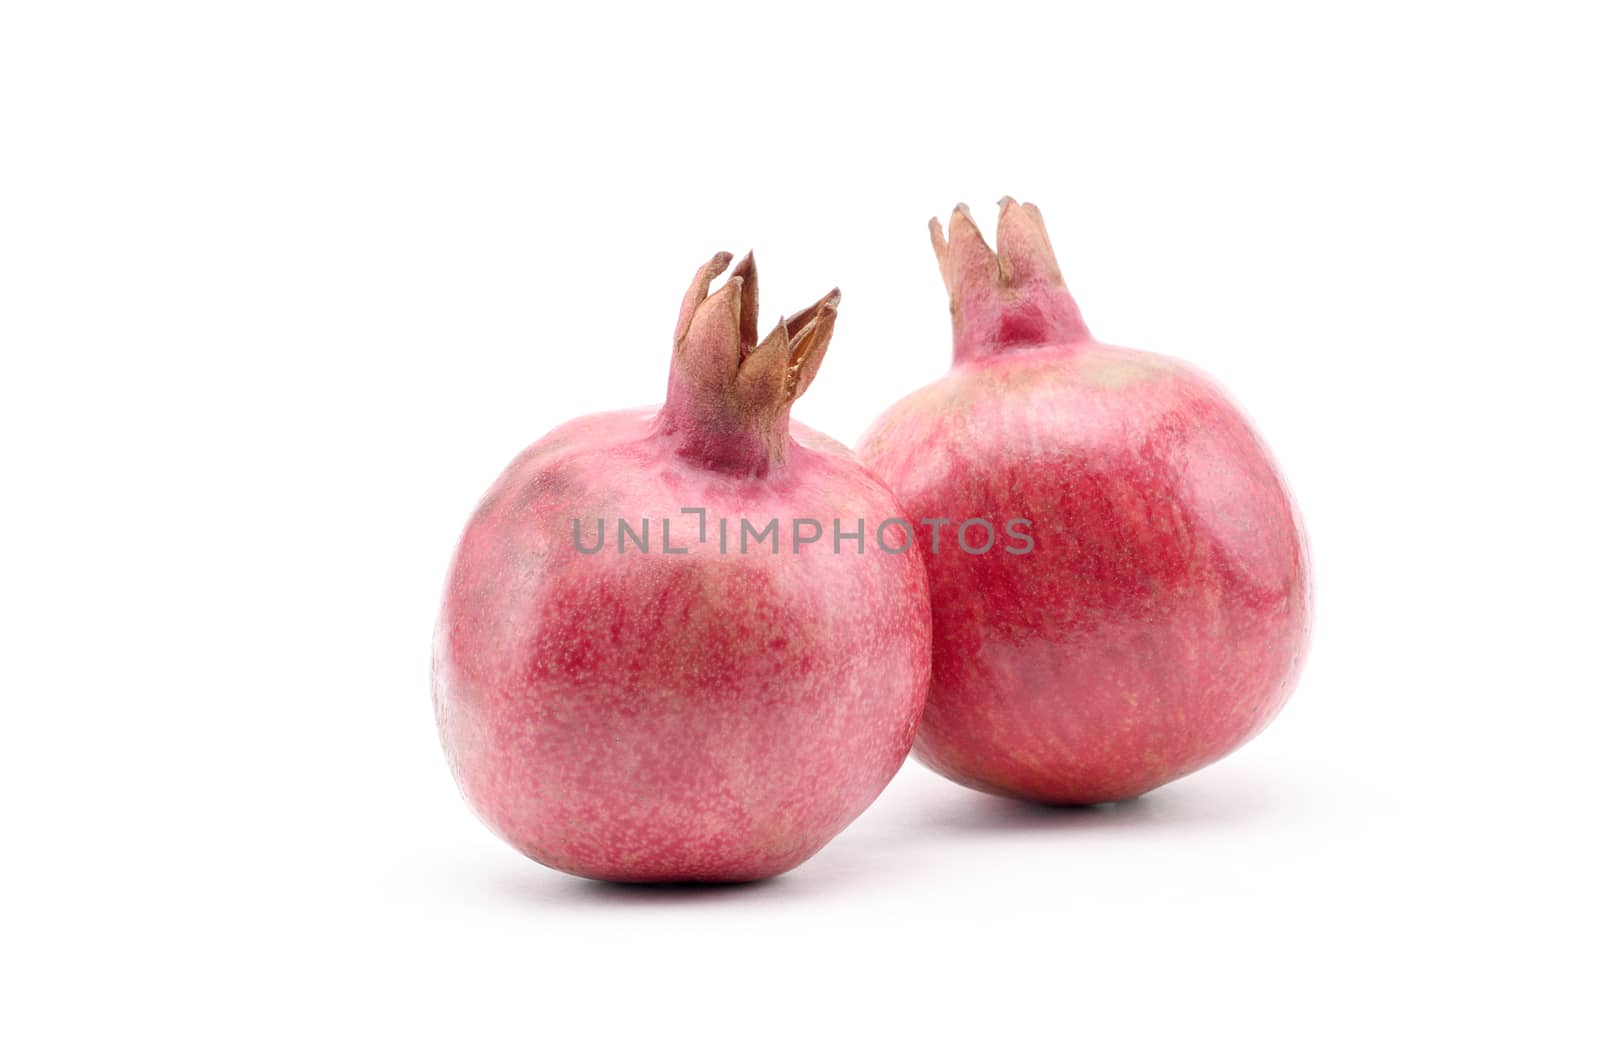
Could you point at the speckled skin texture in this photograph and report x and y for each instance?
(1162, 617)
(652, 717)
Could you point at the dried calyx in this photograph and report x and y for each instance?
(728, 397)
(1015, 298)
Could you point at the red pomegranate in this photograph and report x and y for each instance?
(1143, 605)
(656, 661)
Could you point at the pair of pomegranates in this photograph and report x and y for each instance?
(766, 627)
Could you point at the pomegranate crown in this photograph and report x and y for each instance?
(1013, 298)
(728, 396)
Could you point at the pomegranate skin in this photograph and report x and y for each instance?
(1162, 615)
(646, 716)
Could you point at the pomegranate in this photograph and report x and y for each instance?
(665, 653)
(1150, 608)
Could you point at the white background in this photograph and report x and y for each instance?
(283, 286)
